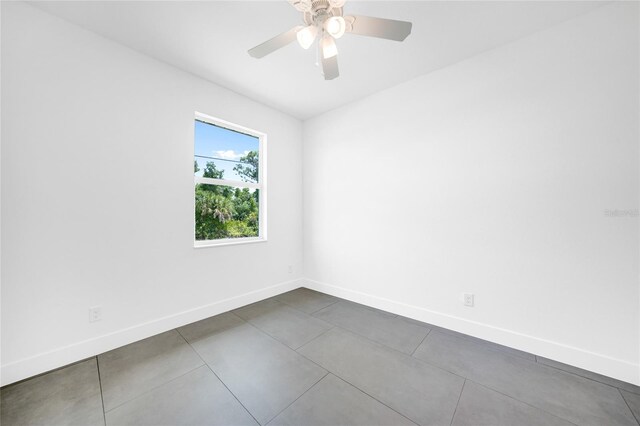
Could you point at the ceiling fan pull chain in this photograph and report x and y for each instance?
(318, 52)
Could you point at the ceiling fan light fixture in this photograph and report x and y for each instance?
(324, 22)
(335, 26)
(306, 36)
(329, 48)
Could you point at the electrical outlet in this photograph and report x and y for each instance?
(468, 299)
(95, 314)
(291, 269)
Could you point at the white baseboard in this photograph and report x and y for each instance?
(47, 361)
(595, 362)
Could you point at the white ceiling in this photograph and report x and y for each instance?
(211, 39)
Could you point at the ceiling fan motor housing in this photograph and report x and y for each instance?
(320, 11)
(314, 5)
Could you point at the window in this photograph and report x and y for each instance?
(230, 188)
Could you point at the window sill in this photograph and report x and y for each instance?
(228, 242)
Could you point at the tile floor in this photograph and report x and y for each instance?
(306, 358)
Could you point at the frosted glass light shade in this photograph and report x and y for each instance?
(335, 26)
(329, 48)
(306, 36)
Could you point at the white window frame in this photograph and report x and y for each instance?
(261, 185)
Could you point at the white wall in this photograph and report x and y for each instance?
(97, 197)
(492, 177)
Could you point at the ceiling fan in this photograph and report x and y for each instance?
(324, 21)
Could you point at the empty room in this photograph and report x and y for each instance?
(320, 212)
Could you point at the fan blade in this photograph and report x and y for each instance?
(378, 27)
(330, 67)
(275, 43)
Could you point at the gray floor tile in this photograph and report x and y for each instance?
(590, 375)
(292, 327)
(197, 398)
(334, 402)
(480, 406)
(633, 400)
(371, 308)
(68, 396)
(131, 370)
(497, 347)
(425, 394)
(491, 345)
(378, 326)
(162, 380)
(265, 375)
(210, 326)
(416, 322)
(579, 400)
(306, 300)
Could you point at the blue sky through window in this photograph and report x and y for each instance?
(221, 146)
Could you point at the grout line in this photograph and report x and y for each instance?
(269, 334)
(421, 342)
(346, 381)
(44, 373)
(325, 307)
(279, 342)
(359, 306)
(232, 313)
(329, 371)
(584, 377)
(373, 342)
(501, 393)
(367, 338)
(282, 343)
(333, 325)
(154, 388)
(458, 403)
(318, 336)
(162, 384)
(104, 414)
(375, 399)
(310, 314)
(301, 395)
(361, 390)
(382, 344)
(300, 310)
(248, 321)
(523, 402)
(625, 401)
(481, 343)
(232, 394)
(438, 367)
(491, 346)
(218, 377)
(487, 344)
(276, 340)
